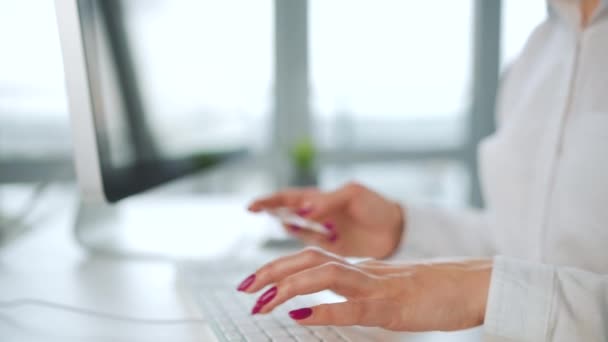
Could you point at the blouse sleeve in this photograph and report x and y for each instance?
(537, 302)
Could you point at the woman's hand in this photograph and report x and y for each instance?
(362, 223)
(403, 297)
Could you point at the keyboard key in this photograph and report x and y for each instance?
(235, 338)
(232, 335)
(262, 318)
(228, 328)
(269, 325)
(298, 331)
(257, 338)
(277, 333)
(309, 338)
(246, 325)
(229, 312)
(329, 336)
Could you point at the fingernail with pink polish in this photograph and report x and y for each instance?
(304, 211)
(294, 227)
(264, 299)
(300, 313)
(267, 296)
(333, 237)
(246, 283)
(256, 309)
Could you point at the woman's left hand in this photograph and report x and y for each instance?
(403, 297)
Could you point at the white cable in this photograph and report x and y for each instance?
(10, 225)
(16, 303)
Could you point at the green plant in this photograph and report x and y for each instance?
(303, 155)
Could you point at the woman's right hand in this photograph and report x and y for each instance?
(362, 223)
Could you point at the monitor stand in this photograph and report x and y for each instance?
(176, 226)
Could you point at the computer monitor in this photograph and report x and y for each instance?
(123, 143)
(127, 140)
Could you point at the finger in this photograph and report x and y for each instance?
(292, 198)
(325, 241)
(363, 312)
(279, 199)
(288, 265)
(327, 204)
(338, 277)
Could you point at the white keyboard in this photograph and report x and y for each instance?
(229, 311)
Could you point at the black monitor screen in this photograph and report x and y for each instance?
(161, 100)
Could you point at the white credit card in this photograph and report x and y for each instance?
(287, 216)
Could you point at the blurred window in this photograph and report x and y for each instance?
(395, 75)
(205, 70)
(441, 182)
(33, 108)
(390, 74)
(390, 79)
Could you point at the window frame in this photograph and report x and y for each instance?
(292, 116)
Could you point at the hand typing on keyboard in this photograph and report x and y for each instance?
(402, 297)
(357, 221)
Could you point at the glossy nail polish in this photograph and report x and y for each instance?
(333, 237)
(332, 229)
(246, 283)
(256, 309)
(264, 299)
(329, 226)
(294, 227)
(304, 211)
(300, 313)
(267, 296)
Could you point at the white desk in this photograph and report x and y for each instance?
(47, 264)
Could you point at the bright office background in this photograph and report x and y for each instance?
(386, 76)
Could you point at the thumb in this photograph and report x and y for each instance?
(327, 204)
(361, 312)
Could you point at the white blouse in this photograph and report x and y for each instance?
(544, 176)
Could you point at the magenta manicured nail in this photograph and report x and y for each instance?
(246, 283)
(267, 296)
(333, 237)
(293, 227)
(264, 299)
(304, 211)
(300, 313)
(256, 309)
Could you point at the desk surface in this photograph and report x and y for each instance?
(47, 264)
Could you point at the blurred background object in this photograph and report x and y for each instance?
(34, 128)
(394, 94)
(303, 161)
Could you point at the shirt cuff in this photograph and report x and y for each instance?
(418, 230)
(520, 301)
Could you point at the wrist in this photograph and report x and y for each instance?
(397, 228)
(482, 279)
